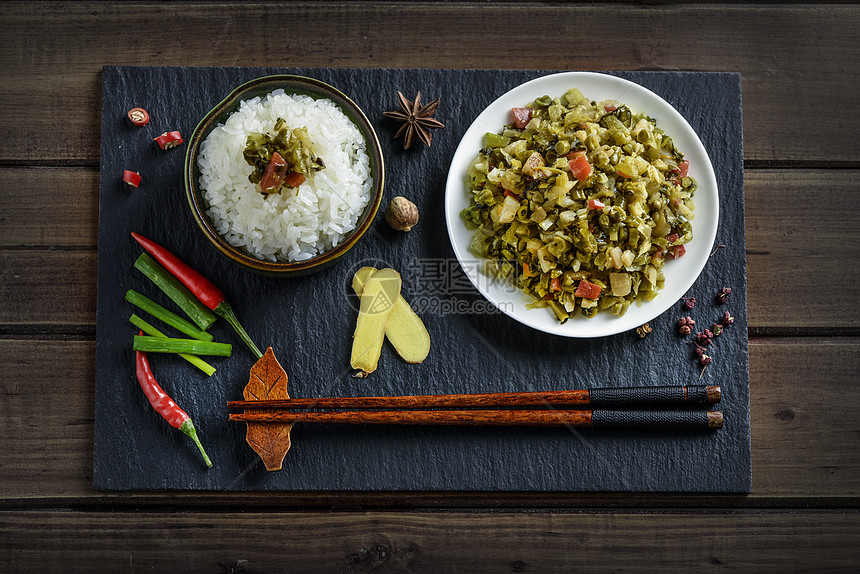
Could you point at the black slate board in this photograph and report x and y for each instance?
(308, 321)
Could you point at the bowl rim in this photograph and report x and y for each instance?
(314, 87)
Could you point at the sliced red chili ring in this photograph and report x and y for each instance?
(131, 177)
(138, 116)
(168, 140)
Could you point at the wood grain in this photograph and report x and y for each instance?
(803, 245)
(797, 244)
(51, 55)
(46, 393)
(48, 287)
(430, 542)
(49, 207)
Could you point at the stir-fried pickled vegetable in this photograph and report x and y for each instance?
(582, 205)
(281, 158)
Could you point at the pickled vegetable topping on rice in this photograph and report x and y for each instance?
(281, 159)
(581, 204)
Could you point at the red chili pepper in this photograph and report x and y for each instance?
(595, 204)
(138, 116)
(202, 288)
(168, 140)
(163, 404)
(131, 177)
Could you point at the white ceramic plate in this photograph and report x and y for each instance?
(680, 273)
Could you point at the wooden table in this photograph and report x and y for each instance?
(800, 68)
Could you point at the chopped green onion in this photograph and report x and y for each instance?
(166, 316)
(173, 288)
(189, 346)
(152, 331)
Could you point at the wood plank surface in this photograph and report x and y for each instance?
(51, 54)
(803, 245)
(48, 287)
(49, 207)
(352, 543)
(46, 434)
(792, 253)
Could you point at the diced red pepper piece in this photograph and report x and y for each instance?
(595, 204)
(138, 116)
(274, 174)
(610, 108)
(555, 284)
(168, 140)
(672, 237)
(522, 116)
(580, 167)
(658, 254)
(526, 269)
(294, 179)
(131, 177)
(587, 290)
(676, 252)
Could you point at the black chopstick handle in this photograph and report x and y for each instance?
(687, 420)
(654, 397)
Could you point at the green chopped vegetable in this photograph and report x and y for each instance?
(152, 331)
(179, 293)
(169, 317)
(150, 344)
(589, 192)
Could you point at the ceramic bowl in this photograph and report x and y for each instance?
(220, 113)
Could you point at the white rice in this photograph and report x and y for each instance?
(296, 224)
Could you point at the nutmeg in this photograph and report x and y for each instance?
(402, 214)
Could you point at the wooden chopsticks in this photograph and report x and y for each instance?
(701, 420)
(503, 409)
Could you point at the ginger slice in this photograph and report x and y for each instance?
(380, 293)
(405, 329)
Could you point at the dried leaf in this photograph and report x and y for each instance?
(271, 441)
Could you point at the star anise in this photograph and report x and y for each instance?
(416, 119)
